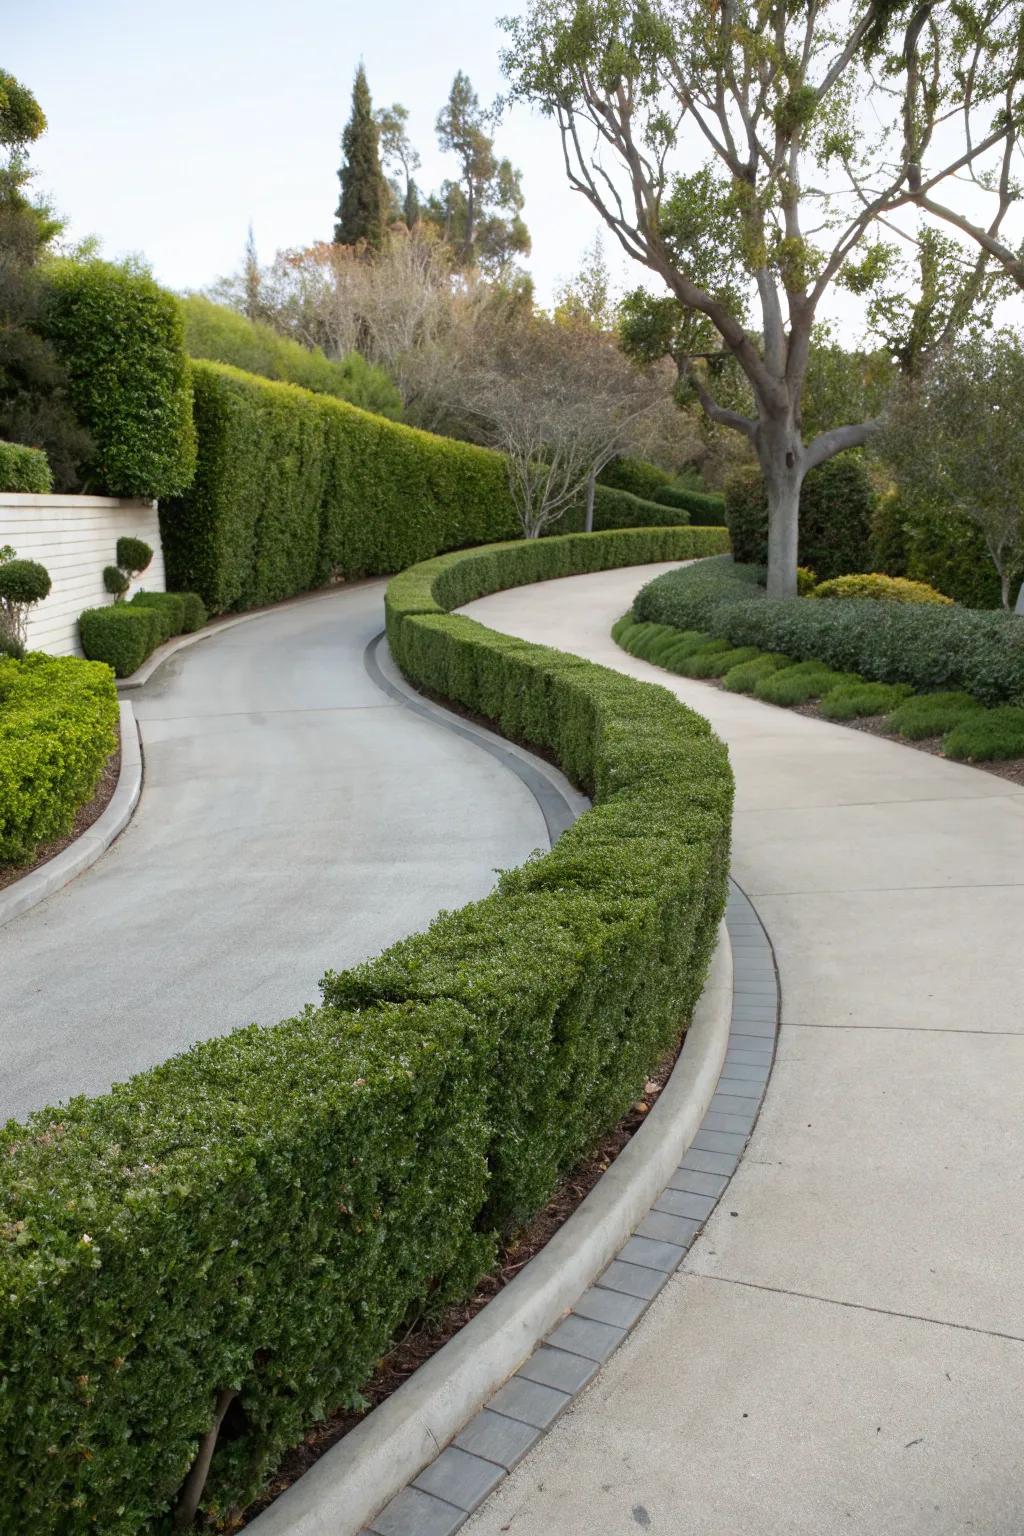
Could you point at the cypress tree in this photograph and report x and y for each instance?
(363, 209)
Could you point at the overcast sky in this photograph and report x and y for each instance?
(173, 125)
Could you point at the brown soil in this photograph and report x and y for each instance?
(87, 814)
(425, 1339)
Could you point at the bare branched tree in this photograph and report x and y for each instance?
(772, 94)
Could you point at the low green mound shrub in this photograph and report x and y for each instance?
(931, 714)
(169, 608)
(714, 659)
(263, 1214)
(25, 470)
(889, 589)
(836, 506)
(122, 635)
(799, 684)
(120, 337)
(987, 735)
(58, 726)
(222, 335)
(689, 603)
(745, 677)
(853, 701)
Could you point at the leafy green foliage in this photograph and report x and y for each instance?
(115, 581)
(294, 488)
(22, 583)
(636, 476)
(194, 613)
(169, 608)
(931, 714)
(745, 677)
(705, 508)
(800, 683)
(851, 701)
(122, 635)
(364, 204)
(24, 469)
(886, 589)
(987, 736)
(836, 503)
(689, 601)
(58, 726)
(152, 1248)
(222, 335)
(133, 555)
(120, 338)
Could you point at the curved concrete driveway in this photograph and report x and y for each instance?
(293, 818)
(843, 1348)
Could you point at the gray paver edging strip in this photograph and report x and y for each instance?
(94, 841)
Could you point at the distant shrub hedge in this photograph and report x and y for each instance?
(704, 507)
(836, 506)
(293, 489)
(119, 335)
(637, 476)
(25, 470)
(264, 1212)
(221, 335)
(58, 726)
(929, 646)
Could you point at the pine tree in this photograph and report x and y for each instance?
(365, 197)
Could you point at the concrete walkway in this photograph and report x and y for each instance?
(293, 817)
(843, 1349)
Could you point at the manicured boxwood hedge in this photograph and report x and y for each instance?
(929, 646)
(294, 489)
(704, 507)
(124, 634)
(24, 469)
(120, 337)
(263, 1213)
(58, 726)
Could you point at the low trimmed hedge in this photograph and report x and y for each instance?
(25, 470)
(169, 608)
(704, 507)
(265, 1212)
(124, 634)
(58, 726)
(929, 646)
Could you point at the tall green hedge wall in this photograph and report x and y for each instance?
(264, 1212)
(120, 337)
(293, 489)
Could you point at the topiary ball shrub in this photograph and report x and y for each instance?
(122, 636)
(133, 555)
(931, 714)
(24, 470)
(115, 581)
(887, 589)
(22, 583)
(987, 736)
(836, 506)
(855, 701)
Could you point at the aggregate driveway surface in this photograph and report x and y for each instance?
(293, 818)
(843, 1348)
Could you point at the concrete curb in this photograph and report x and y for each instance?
(220, 626)
(347, 1487)
(85, 850)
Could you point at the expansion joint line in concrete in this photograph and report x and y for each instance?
(448, 1490)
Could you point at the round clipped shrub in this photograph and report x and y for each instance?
(25, 470)
(931, 714)
(193, 611)
(799, 684)
(855, 701)
(122, 635)
(888, 589)
(24, 581)
(133, 555)
(115, 581)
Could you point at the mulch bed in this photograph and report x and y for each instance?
(425, 1339)
(87, 814)
(1011, 768)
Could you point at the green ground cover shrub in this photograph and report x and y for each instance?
(930, 646)
(24, 470)
(745, 677)
(799, 684)
(221, 335)
(854, 701)
(119, 336)
(836, 506)
(889, 589)
(987, 735)
(264, 1213)
(58, 726)
(122, 635)
(714, 659)
(931, 714)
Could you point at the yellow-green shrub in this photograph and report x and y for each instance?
(888, 589)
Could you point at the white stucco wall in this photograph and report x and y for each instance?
(75, 537)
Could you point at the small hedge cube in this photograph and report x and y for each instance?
(169, 608)
(122, 636)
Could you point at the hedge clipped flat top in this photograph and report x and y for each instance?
(262, 1214)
